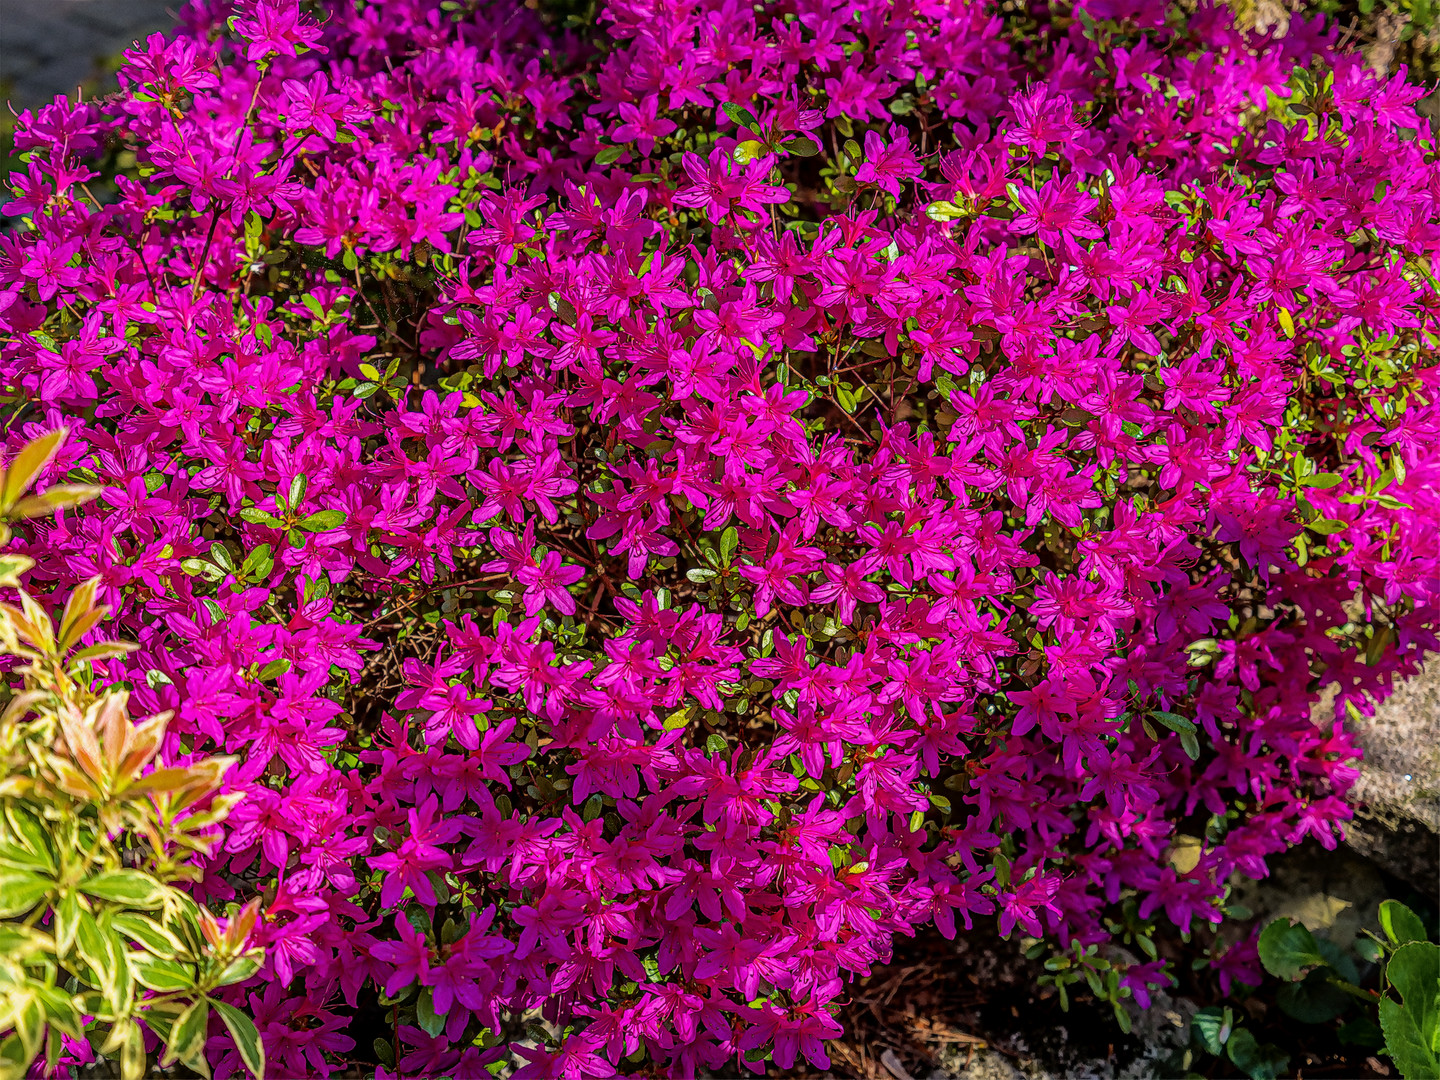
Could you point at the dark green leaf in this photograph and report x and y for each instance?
(298, 486)
(1174, 721)
(1362, 1032)
(1287, 949)
(1259, 1061)
(425, 1016)
(258, 563)
(1312, 1000)
(800, 146)
(740, 115)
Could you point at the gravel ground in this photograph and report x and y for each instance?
(50, 47)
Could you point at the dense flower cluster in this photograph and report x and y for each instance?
(660, 510)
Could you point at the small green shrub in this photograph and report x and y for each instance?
(95, 939)
(1321, 985)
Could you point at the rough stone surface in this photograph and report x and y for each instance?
(50, 47)
(1397, 821)
(1335, 894)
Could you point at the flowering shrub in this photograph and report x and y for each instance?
(91, 836)
(663, 501)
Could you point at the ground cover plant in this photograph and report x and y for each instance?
(663, 498)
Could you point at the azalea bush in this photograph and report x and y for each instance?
(661, 499)
(97, 944)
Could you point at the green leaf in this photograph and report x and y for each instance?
(60, 1009)
(247, 1039)
(274, 669)
(187, 1037)
(1287, 949)
(155, 678)
(14, 1057)
(162, 975)
(749, 150)
(67, 923)
(1312, 1000)
(425, 1015)
(1259, 1061)
(14, 857)
(33, 457)
(19, 892)
(256, 516)
(148, 934)
(1362, 1032)
(1327, 526)
(740, 115)
(129, 887)
(607, 154)
(1401, 925)
(241, 969)
(729, 544)
(1212, 1026)
(1174, 721)
(103, 950)
(1321, 480)
(1412, 1025)
(800, 146)
(258, 563)
(298, 486)
(34, 835)
(220, 556)
(322, 520)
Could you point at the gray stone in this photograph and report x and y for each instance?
(1335, 894)
(48, 47)
(1397, 820)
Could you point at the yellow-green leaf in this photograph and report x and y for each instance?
(33, 457)
(247, 1039)
(20, 891)
(129, 887)
(241, 968)
(148, 934)
(159, 974)
(187, 1038)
